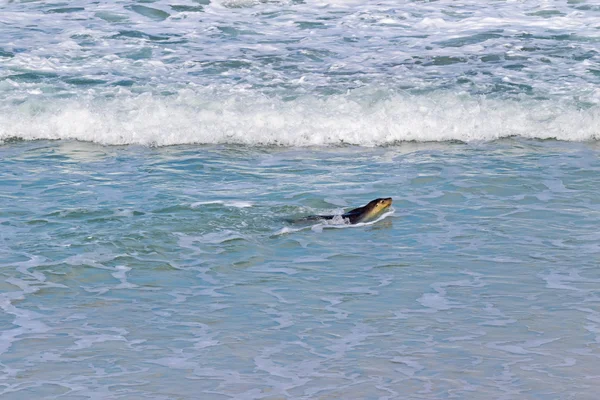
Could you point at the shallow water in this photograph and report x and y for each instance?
(135, 272)
(152, 151)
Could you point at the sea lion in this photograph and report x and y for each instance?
(367, 213)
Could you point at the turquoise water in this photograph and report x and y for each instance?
(151, 153)
(140, 272)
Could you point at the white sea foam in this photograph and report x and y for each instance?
(230, 203)
(128, 74)
(247, 119)
(121, 274)
(339, 222)
(286, 229)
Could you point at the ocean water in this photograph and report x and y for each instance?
(152, 151)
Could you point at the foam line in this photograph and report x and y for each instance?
(249, 119)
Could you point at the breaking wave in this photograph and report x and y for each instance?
(377, 118)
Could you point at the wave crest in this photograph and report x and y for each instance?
(372, 119)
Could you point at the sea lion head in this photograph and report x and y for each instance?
(377, 206)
